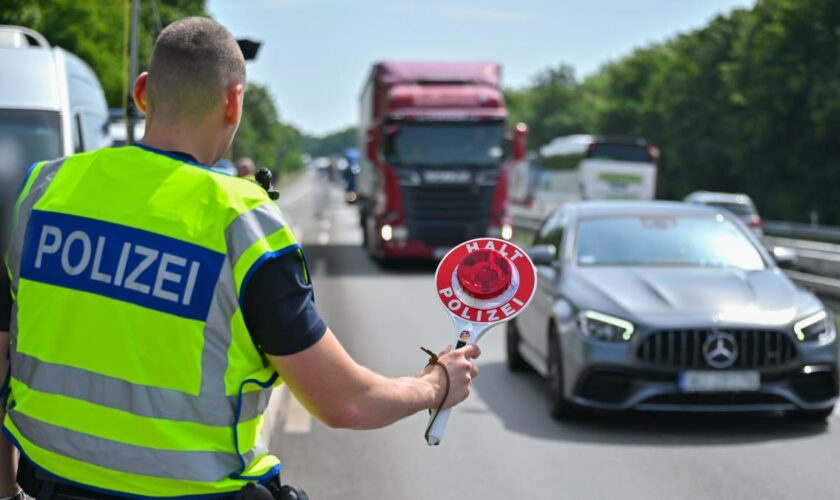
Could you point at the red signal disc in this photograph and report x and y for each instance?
(484, 274)
(501, 296)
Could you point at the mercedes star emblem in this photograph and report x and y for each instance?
(720, 350)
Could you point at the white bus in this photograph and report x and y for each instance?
(608, 167)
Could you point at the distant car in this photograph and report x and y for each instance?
(671, 307)
(738, 203)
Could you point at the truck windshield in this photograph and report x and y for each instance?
(444, 143)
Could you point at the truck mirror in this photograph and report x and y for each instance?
(520, 137)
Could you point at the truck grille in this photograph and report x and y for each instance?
(447, 215)
(683, 349)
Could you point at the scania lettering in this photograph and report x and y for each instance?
(438, 155)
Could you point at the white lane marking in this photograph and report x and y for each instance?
(298, 420)
(323, 238)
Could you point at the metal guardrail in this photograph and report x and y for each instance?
(802, 231)
(817, 257)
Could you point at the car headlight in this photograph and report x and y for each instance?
(814, 327)
(605, 327)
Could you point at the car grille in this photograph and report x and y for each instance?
(684, 349)
(447, 215)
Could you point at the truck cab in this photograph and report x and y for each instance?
(437, 156)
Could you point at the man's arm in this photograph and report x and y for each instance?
(344, 394)
(279, 310)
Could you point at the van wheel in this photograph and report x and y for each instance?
(515, 361)
(559, 407)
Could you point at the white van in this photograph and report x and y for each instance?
(51, 105)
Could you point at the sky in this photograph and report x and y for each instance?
(316, 54)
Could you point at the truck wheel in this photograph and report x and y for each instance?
(515, 361)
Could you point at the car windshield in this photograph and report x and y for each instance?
(665, 240)
(444, 143)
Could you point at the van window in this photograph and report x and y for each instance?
(27, 136)
(93, 131)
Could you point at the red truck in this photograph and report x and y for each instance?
(438, 151)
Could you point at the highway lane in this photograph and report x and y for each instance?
(501, 443)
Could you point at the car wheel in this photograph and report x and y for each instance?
(515, 361)
(810, 415)
(560, 407)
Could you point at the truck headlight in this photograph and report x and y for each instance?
(814, 327)
(605, 327)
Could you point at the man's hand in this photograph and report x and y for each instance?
(461, 372)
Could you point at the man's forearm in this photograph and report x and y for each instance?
(386, 400)
(341, 393)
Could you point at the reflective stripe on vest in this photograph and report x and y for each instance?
(142, 377)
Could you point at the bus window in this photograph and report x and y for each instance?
(618, 152)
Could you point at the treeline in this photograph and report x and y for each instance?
(750, 103)
(96, 31)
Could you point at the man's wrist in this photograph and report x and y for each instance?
(16, 496)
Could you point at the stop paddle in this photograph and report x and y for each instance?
(481, 283)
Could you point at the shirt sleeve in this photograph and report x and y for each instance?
(279, 307)
(5, 300)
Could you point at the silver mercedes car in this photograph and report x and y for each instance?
(671, 307)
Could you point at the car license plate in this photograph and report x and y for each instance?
(706, 381)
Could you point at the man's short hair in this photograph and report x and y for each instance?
(195, 60)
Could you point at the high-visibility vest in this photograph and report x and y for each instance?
(132, 370)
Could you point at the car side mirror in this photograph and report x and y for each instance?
(542, 255)
(784, 257)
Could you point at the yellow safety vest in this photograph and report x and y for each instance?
(132, 370)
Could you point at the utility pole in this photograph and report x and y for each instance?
(131, 109)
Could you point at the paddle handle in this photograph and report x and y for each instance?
(437, 422)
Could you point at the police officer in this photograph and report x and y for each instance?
(156, 302)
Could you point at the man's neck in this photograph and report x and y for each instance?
(175, 139)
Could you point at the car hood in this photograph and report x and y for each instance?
(720, 295)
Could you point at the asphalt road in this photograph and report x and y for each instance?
(501, 443)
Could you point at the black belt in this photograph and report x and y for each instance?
(36, 484)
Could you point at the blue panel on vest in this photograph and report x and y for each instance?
(120, 262)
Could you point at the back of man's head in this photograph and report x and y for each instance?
(195, 60)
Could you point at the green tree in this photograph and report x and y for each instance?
(333, 143)
(262, 136)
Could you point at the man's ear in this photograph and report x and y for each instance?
(140, 98)
(234, 100)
